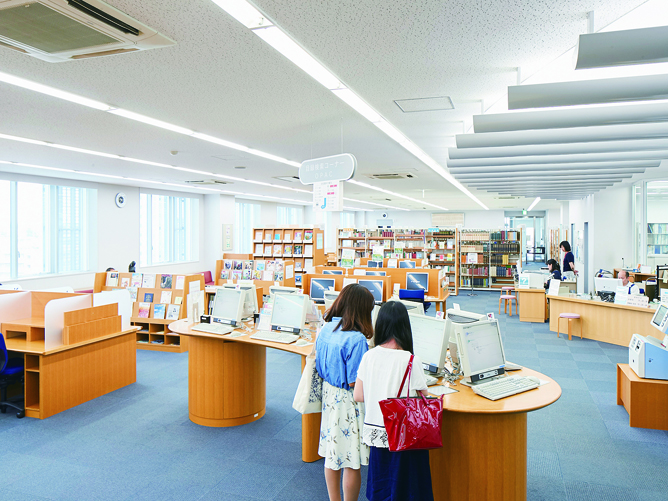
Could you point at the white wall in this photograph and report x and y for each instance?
(483, 219)
(657, 210)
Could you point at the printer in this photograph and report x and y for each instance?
(648, 357)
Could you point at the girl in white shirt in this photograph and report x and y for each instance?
(392, 476)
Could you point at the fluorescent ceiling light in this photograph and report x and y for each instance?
(535, 202)
(273, 157)
(421, 202)
(243, 12)
(151, 121)
(356, 103)
(295, 53)
(45, 89)
(373, 203)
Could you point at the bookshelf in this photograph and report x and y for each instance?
(474, 258)
(165, 291)
(400, 243)
(442, 248)
(505, 252)
(305, 246)
(263, 272)
(657, 239)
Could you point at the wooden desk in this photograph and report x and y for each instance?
(634, 276)
(602, 321)
(227, 383)
(646, 400)
(532, 304)
(484, 453)
(439, 301)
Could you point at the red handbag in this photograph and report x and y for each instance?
(412, 423)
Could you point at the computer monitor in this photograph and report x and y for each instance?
(319, 286)
(406, 264)
(413, 307)
(430, 342)
(530, 280)
(660, 318)
(283, 290)
(417, 281)
(330, 297)
(288, 313)
(250, 298)
(376, 273)
(458, 317)
(374, 264)
(607, 284)
(480, 350)
(375, 287)
(228, 306)
(332, 272)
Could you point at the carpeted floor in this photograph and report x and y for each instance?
(138, 443)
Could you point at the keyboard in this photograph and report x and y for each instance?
(504, 387)
(214, 328)
(431, 380)
(276, 337)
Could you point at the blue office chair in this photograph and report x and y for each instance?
(11, 372)
(414, 295)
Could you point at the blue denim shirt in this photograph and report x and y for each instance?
(338, 354)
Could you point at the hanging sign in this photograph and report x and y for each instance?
(334, 168)
(328, 196)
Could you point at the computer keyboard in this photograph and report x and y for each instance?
(431, 380)
(276, 337)
(214, 328)
(504, 387)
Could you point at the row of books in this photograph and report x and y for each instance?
(475, 235)
(145, 280)
(475, 271)
(441, 257)
(473, 248)
(510, 248)
(442, 244)
(160, 311)
(499, 259)
(657, 228)
(477, 282)
(165, 296)
(283, 250)
(500, 271)
(504, 235)
(287, 236)
(269, 276)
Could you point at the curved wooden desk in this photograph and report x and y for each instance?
(484, 453)
(227, 382)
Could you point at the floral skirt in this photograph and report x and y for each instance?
(341, 429)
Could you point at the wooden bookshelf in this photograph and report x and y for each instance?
(154, 333)
(442, 248)
(474, 258)
(399, 243)
(264, 273)
(303, 245)
(505, 253)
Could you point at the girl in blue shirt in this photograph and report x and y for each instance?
(338, 351)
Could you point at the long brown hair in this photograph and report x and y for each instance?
(353, 306)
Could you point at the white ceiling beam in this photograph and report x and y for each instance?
(547, 179)
(547, 167)
(622, 48)
(547, 175)
(561, 159)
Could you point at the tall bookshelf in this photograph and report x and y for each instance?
(505, 251)
(408, 243)
(657, 239)
(304, 245)
(442, 247)
(474, 258)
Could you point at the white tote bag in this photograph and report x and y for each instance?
(308, 398)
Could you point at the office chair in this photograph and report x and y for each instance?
(11, 371)
(414, 295)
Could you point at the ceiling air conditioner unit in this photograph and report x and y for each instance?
(65, 30)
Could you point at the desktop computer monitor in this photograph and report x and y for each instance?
(607, 284)
(332, 272)
(374, 264)
(413, 307)
(406, 264)
(250, 298)
(228, 306)
(288, 313)
(660, 318)
(375, 287)
(283, 290)
(480, 350)
(376, 273)
(430, 342)
(417, 281)
(530, 280)
(330, 297)
(319, 286)
(454, 317)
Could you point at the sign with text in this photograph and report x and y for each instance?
(334, 168)
(328, 196)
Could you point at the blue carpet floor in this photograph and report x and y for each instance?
(138, 444)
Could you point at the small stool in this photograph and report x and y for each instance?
(507, 299)
(508, 289)
(569, 317)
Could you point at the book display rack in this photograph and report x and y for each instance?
(442, 245)
(505, 249)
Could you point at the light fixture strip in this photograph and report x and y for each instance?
(421, 202)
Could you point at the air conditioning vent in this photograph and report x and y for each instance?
(507, 198)
(288, 179)
(391, 176)
(208, 181)
(64, 30)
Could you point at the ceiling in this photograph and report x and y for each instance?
(222, 80)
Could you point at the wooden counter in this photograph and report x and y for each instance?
(532, 304)
(646, 400)
(602, 321)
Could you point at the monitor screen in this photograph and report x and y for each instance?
(283, 290)
(406, 264)
(319, 286)
(227, 305)
(417, 281)
(374, 264)
(289, 310)
(429, 340)
(376, 273)
(483, 345)
(375, 287)
(332, 272)
(660, 313)
(607, 284)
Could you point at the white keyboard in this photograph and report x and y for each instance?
(431, 380)
(276, 337)
(504, 387)
(214, 328)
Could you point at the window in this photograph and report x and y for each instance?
(347, 220)
(168, 229)
(247, 218)
(47, 230)
(289, 215)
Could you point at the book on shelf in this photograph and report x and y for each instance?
(308, 251)
(148, 297)
(278, 249)
(259, 248)
(279, 265)
(166, 281)
(277, 236)
(178, 300)
(287, 249)
(308, 263)
(259, 265)
(237, 265)
(298, 279)
(347, 258)
(125, 282)
(298, 250)
(257, 275)
(248, 265)
(298, 236)
(258, 235)
(392, 263)
(133, 293)
(148, 281)
(159, 311)
(228, 264)
(236, 274)
(135, 280)
(144, 310)
(271, 266)
(112, 279)
(308, 235)
(166, 297)
(180, 282)
(298, 266)
(173, 311)
(268, 276)
(247, 274)
(279, 276)
(224, 274)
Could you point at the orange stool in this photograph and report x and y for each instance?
(569, 317)
(507, 299)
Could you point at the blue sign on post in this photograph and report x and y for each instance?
(334, 168)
